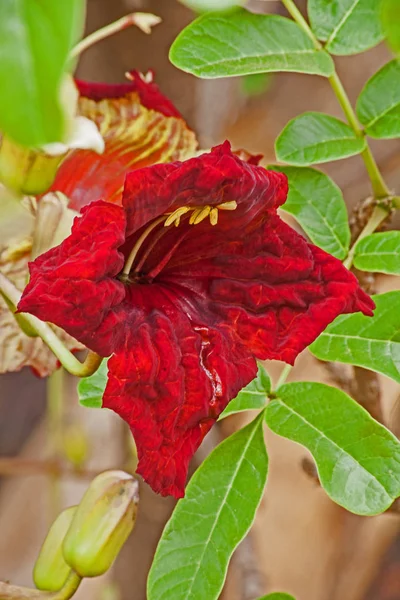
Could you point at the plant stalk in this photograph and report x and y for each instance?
(54, 425)
(378, 184)
(45, 332)
(116, 27)
(283, 376)
(379, 214)
(16, 592)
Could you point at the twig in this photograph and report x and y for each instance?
(145, 21)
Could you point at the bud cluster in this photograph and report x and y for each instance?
(85, 540)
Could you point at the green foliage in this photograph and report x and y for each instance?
(277, 596)
(370, 342)
(211, 5)
(254, 85)
(313, 138)
(378, 106)
(253, 396)
(358, 459)
(390, 16)
(347, 26)
(317, 204)
(379, 253)
(243, 43)
(36, 39)
(206, 526)
(91, 389)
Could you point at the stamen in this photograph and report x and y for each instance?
(131, 258)
(214, 216)
(200, 214)
(196, 211)
(176, 215)
(231, 205)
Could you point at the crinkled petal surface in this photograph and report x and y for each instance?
(73, 285)
(170, 381)
(202, 302)
(17, 350)
(140, 127)
(212, 178)
(272, 288)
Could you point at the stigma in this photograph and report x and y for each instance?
(198, 213)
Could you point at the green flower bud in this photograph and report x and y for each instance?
(75, 445)
(102, 523)
(26, 170)
(51, 571)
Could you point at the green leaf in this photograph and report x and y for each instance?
(317, 204)
(254, 85)
(36, 38)
(243, 43)
(313, 138)
(91, 389)
(379, 253)
(347, 26)
(369, 342)
(277, 596)
(358, 459)
(211, 5)
(251, 397)
(378, 106)
(390, 17)
(221, 500)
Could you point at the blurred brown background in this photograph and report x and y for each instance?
(301, 543)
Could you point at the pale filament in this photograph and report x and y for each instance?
(198, 215)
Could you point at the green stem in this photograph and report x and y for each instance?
(54, 414)
(300, 20)
(69, 588)
(16, 592)
(115, 27)
(45, 332)
(379, 214)
(378, 184)
(283, 376)
(131, 258)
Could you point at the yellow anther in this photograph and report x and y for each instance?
(194, 214)
(201, 214)
(176, 215)
(231, 205)
(214, 216)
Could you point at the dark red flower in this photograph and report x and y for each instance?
(230, 283)
(140, 127)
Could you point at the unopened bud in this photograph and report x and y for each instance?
(102, 523)
(51, 571)
(75, 445)
(26, 170)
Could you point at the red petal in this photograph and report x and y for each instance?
(210, 179)
(140, 127)
(276, 291)
(149, 93)
(170, 382)
(73, 285)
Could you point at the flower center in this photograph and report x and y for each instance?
(198, 214)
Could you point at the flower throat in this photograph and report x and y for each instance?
(198, 214)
